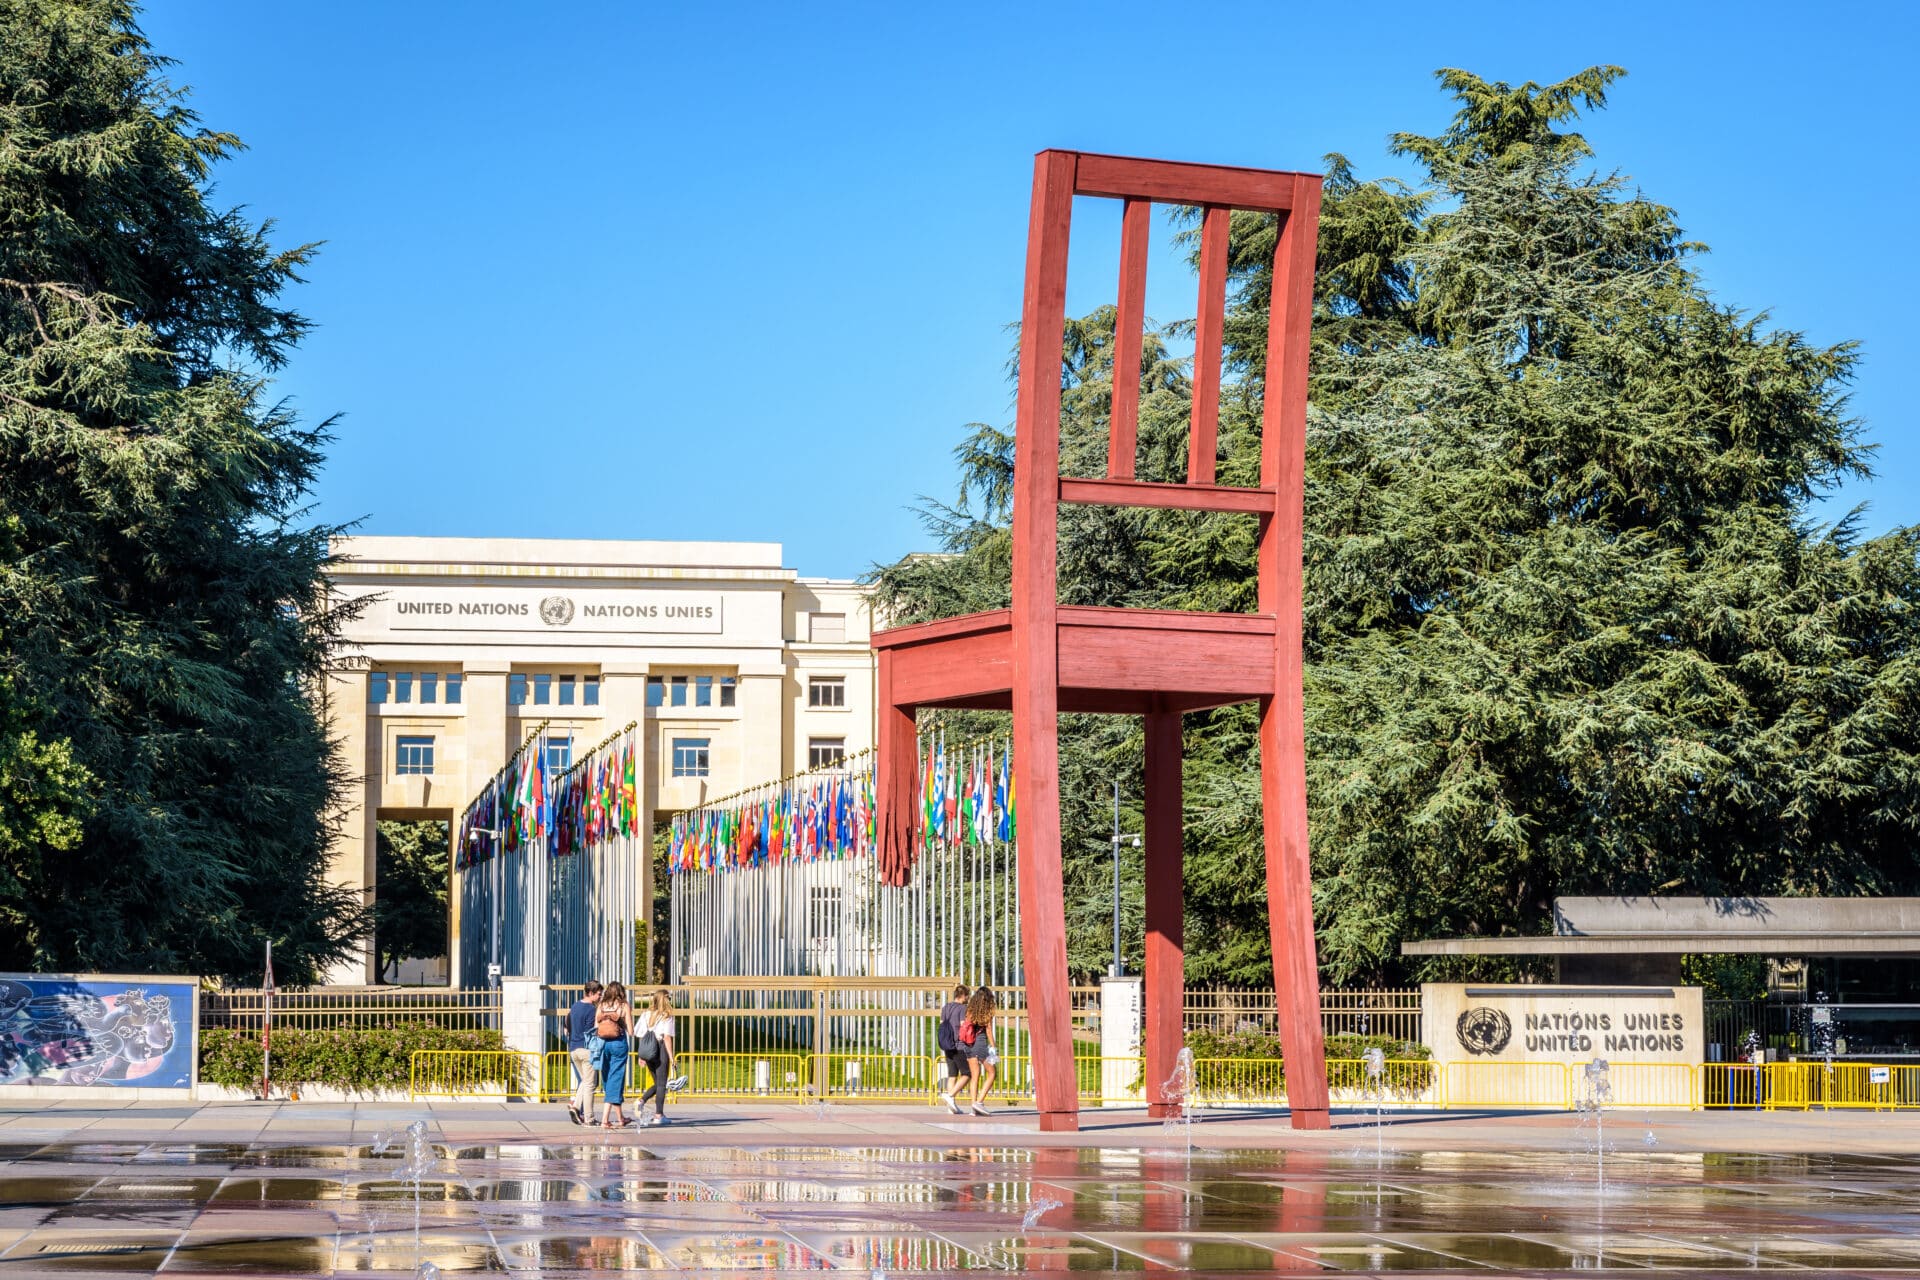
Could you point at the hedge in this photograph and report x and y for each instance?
(366, 1060)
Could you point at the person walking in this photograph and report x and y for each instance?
(959, 1066)
(613, 1021)
(653, 1035)
(580, 1050)
(977, 1034)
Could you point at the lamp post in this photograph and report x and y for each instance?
(1118, 969)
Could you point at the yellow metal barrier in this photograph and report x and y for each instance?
(1231, 1082)
(1731, 1086)
(1402, 1081)
(743, 1077)
(1799, 1086)
(509, 1074)
(1647, 1084)
(1099, 1081)
(873, 1077)
(1519, 1085)
(914, 1078)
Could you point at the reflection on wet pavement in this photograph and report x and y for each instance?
(557, 1210)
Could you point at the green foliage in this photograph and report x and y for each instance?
(1570, 625)
(368, 1060)
(410, 903)
(1728, 977)
(164, 615)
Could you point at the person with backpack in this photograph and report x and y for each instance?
(613, 1022)
(654, 1036)
(976, 1034)
(959, 1066)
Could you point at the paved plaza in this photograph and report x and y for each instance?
(293, 1189)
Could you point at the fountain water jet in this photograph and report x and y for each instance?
(1178, 1090)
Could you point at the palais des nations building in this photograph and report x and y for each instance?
(735, 669)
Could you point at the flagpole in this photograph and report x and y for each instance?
(266, 1030)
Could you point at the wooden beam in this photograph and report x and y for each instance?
(1130, 318)
(1036, 676)
(1186, 497)
(1166, 908)
(1209, 322)
(1175, 182)
(1283, 767)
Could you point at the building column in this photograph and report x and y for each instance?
(484, 694)
(355, 850)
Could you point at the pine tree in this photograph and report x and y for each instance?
(165, 614)
(1571, 625)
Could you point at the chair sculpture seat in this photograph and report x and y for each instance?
(1039, 658)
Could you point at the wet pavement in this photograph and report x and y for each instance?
(742, 1202)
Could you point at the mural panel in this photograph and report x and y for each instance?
(100, 1031)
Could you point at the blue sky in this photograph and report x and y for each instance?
(744, 272)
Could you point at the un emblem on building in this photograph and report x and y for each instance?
(556, 611)
(1483, 1030)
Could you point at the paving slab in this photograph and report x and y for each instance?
(238, 1188)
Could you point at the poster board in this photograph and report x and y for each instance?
(65, 1031)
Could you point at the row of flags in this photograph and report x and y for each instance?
(807, 819)
(964, 797)
(525, 806)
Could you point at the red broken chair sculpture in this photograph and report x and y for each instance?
(1040, 658)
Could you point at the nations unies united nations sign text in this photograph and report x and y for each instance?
(549, 611)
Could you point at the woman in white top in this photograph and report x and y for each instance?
(653, 1040)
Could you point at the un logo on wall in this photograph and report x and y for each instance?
(556, 611)
(1483, 1030)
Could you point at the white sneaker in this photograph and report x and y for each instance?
(676, 1084)
(980, 1110)
(953, 1103)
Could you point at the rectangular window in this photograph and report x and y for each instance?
(828, 628)
(453, 688)
(429, 686)
(589, 691)
(656, 691)
(690, 757)
(559, 754)
(403, 686)
(822, 752)
(566, 691)
(413, 756)
(679, 684)
(703, 691)
(827, 691)
(542, 689)
(726, 691)
(517, 689)
(377, 687)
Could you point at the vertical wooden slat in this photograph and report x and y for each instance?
(1136, 221)
(1283, 770)
(1208, 324)
(1036, 658)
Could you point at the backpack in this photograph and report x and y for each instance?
(968, 1032)
(947, 1043)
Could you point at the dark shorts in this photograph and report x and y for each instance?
(957, 1064)
(979, 1049)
